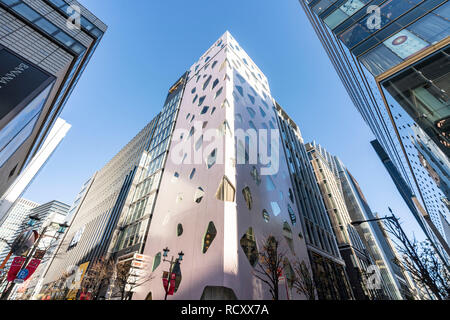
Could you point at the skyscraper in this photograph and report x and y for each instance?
(20, 185)
(206, 177)
(43, 53)
(392, 57)
(354, 252)
(14, 224)
(394, 280)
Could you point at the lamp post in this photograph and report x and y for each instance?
(62, 228)
(394, 220)
(173, 262)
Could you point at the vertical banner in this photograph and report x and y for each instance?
(15, 267)
(171, 291)
(32, 266)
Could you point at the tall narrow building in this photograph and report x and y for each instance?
(393, 59)
(23, 181)
(354, 252)
(42, 56)
(394, 280)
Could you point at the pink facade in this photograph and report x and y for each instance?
(241, 97)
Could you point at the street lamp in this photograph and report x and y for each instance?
(173, 263)
(62, 228)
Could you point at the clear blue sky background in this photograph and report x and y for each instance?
(150, 43)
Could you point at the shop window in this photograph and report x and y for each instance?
(211, 233)
(218, 293)
(248, 245)
(226, 191)
(248, 197)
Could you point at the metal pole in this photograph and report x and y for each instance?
(27, 260)
(170, 276)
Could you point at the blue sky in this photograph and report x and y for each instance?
(150, 43)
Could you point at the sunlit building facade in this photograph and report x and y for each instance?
(42, 57)
(392, 57)
(353, 250)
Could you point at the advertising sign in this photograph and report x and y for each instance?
(19, 80)
(24, 242)
(31, 267)
(15, 267)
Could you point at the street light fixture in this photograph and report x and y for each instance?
(62, 228)
(173, 263)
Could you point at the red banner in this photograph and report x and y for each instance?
(15, 268)
(31, 267)
(171, 291)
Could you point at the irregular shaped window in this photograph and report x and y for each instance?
(248, 197)
(201, 100)
(226, 191)
(213, 110)
(255, 175)
(192, 174)
(156, 261)
(179, 229)
(251, 112)
(266, 215)
(215, 83)
(252, 98)
(199, 194)
(205, 85)
(193, 90)
(241, 79)
(199, 143)
(175, 177)
(212, 158)
(239, 117)
(218, 92)
(263, 114)
(211, 233)
(248, 245)
(195, 98)
(240, 90)
(214, 64)
(205, 110)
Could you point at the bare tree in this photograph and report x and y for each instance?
(421, 262)
(98, 277)
(269, 266)
(122, 284)
(303, 281)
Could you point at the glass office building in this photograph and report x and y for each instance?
(392, 57)
(42, 57)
